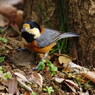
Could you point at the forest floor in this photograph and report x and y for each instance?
(17, 75)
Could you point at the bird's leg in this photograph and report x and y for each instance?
(46, 54)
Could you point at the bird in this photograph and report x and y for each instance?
(41, 40)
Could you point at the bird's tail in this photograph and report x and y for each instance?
(68, 34)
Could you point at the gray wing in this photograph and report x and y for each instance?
(48, 37)
(51, 36)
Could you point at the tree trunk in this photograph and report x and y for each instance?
(28, 4)
(42, 11)
(81, 19)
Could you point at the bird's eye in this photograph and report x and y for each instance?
(26, 26)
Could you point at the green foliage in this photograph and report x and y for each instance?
(33, 93)
(62, 44)
(2, 59)
(7, 75)
(87, 84)
(51, 68)
(49, 90)
(42, 65)
(3, 40)
(1, 71)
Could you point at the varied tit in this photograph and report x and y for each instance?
(41, 40)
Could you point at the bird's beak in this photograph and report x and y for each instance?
(23, 30)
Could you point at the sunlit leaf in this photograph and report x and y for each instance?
(64, 59)
(3, 40)
(7, 75)
(37, 78)
(49, 90)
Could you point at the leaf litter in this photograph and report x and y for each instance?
(20, 65)
(22, 80)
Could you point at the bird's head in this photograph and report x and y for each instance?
(30, 31)
(31, 28)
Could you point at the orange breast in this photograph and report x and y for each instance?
(34, 48)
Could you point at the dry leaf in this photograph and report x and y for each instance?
(63, 59)
(13, 2)
(22, 80)
(2, 87)
(12, 85)
(73, 86)
(37, 78)
(73, 65)
(57, 54)
(66, 69)
(83, 71)
(59, 80)
(21, 76)
(76, 68)
(14, 15)
(89, 75)
(24, 84)
(11, 11)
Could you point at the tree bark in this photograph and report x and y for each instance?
(81, 19)
(28, 4)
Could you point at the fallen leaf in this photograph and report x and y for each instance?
(63, 59)
(5, 94)
(21, 76)
(59, 80)
(73, 65)
(37, 78)
(72, 85)
(82, 71)
(23, 80)
(76, 68)
(13, 14)
(12, 85)
(23, 84)
(89, 75)
(2, 87)
(11, 10)
(13, 2)
(66, 69)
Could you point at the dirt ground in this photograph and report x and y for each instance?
(23, 62)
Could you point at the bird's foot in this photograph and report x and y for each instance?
(41, 64)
